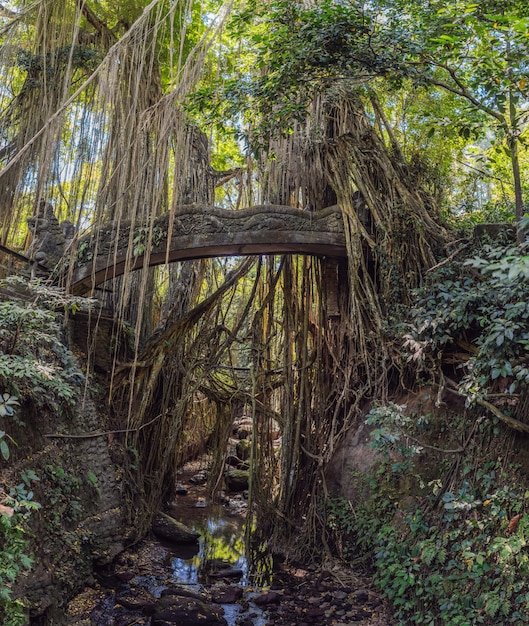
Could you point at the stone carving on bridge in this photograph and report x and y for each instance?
(49, 238)
(201, 231)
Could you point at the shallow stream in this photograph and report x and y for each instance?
(225, 576)
(220, 559)
(222, 553)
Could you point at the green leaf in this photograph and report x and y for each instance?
(4, 449)
(92, 478)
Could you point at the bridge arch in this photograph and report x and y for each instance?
(198, 231)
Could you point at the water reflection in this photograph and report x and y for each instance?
(220, 549)
(221, 553)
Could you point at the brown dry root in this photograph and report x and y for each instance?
(160, 387)
(331, 373)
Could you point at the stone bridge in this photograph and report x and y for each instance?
(203, 231)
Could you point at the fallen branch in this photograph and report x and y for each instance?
(425, 445)
(448, 259)
(506, 419)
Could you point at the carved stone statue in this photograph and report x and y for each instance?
(68, 230)
(49, 242)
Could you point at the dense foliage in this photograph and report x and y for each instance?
(36, 369)
(455, 555)
(444, 514)
(15, 510)
(34, 363)
(451, 78)
(476, 318)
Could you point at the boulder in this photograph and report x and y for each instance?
(243, 449)
(176, 592)
(227, 595)
(137, 601)
(229, 572)
(243, 432)
(213, 565)
(237, 480)
(187, 611)
(199, 479)
(166, 527)
(233, 460)
(270, 597)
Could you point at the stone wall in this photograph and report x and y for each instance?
(80, 522)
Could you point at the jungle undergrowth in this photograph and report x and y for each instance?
(450, 551)
(35, 367)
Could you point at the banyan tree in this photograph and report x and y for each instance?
(95, 125)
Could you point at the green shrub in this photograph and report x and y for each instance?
(35, 366)
(481, 309)
(456, 558)
(14, 560)
(34, 363)
(462, 569)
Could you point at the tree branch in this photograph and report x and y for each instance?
(104, 31)
(448, 259)
(460, 90)
(506, 419)
(485, 173)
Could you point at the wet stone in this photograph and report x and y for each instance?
(199, 479)
(126, 620)
(237, 480)
(227, 595)
(135, 603)
(244, 433)
(187, 611)
(243, 449)
(233, 460)
(180, 592)
(125, 576)
(272, 597)
(166, 527)
(361, 595)
(230, 572)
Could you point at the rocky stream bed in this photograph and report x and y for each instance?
(218, 581)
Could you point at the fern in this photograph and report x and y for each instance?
(493, 604)
(429, 552)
